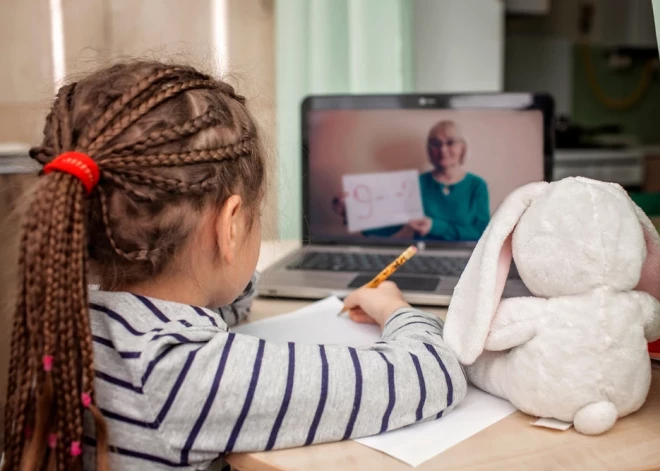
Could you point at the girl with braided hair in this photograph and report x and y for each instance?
(152, 182)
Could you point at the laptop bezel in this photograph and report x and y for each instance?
(451, 101)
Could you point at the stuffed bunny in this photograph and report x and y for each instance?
(576, 351)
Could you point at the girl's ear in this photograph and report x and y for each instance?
(478, 292)
(229, 228)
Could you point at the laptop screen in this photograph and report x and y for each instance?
(404, 175)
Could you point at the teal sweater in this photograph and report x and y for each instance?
(461, 215)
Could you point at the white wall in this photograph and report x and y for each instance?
(26, 81)
(96, 32)
(458, 45)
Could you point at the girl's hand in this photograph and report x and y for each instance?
(375, 305)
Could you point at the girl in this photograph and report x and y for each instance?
(153, 176)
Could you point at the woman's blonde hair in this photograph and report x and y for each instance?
(448, 123)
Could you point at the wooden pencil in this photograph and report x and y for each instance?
(388, 270)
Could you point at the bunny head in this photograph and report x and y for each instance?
(579, 235)
(566, 237)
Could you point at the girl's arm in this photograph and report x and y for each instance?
(237, 311)
(237, 393)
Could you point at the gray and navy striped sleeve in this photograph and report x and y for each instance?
(233, 393)
(238, 311)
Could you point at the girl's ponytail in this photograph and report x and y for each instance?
(51, 369)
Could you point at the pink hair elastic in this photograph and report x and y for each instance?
(48, 362)
(28, 432)
(52, 440)
(75, 449)
(86, 400)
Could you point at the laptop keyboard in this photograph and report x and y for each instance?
(374, 263)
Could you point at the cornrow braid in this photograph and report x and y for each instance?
(123, 122)
(167, 185)
(166, 131)
(63, 105)
(157, 138)
(231, 151)
(230, 92)
(120, 104)
(137, 193)
(138, 255)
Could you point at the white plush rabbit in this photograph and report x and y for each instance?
(577, 350)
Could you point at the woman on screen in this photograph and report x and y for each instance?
(456, 203)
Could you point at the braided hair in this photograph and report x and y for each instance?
(168, 141)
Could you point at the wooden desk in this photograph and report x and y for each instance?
(511, 444)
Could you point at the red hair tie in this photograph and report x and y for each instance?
(80, 165)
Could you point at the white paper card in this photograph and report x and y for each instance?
(319, 323)
(383, 199)
(552, 423)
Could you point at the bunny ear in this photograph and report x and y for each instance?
(650, 279)
(480, 288)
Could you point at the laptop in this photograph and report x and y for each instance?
(382, 172)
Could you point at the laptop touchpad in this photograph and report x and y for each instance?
(405, 283)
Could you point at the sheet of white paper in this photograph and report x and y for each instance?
(420, 442)
(315, 324)
(382, 199)
(319, 323)
(553, 424)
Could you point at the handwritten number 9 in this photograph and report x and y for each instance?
(362, 194)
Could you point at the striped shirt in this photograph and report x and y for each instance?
(178, 389)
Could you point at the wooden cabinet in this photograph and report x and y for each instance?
(652, 177)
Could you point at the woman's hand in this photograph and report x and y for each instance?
(339, 207)
(375, 305)
(406, 232)
(422, 226)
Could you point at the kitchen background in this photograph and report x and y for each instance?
(600, 61)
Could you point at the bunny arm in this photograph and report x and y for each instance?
(651, 310)
(515, 322)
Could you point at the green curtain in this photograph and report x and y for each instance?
(331, 46)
